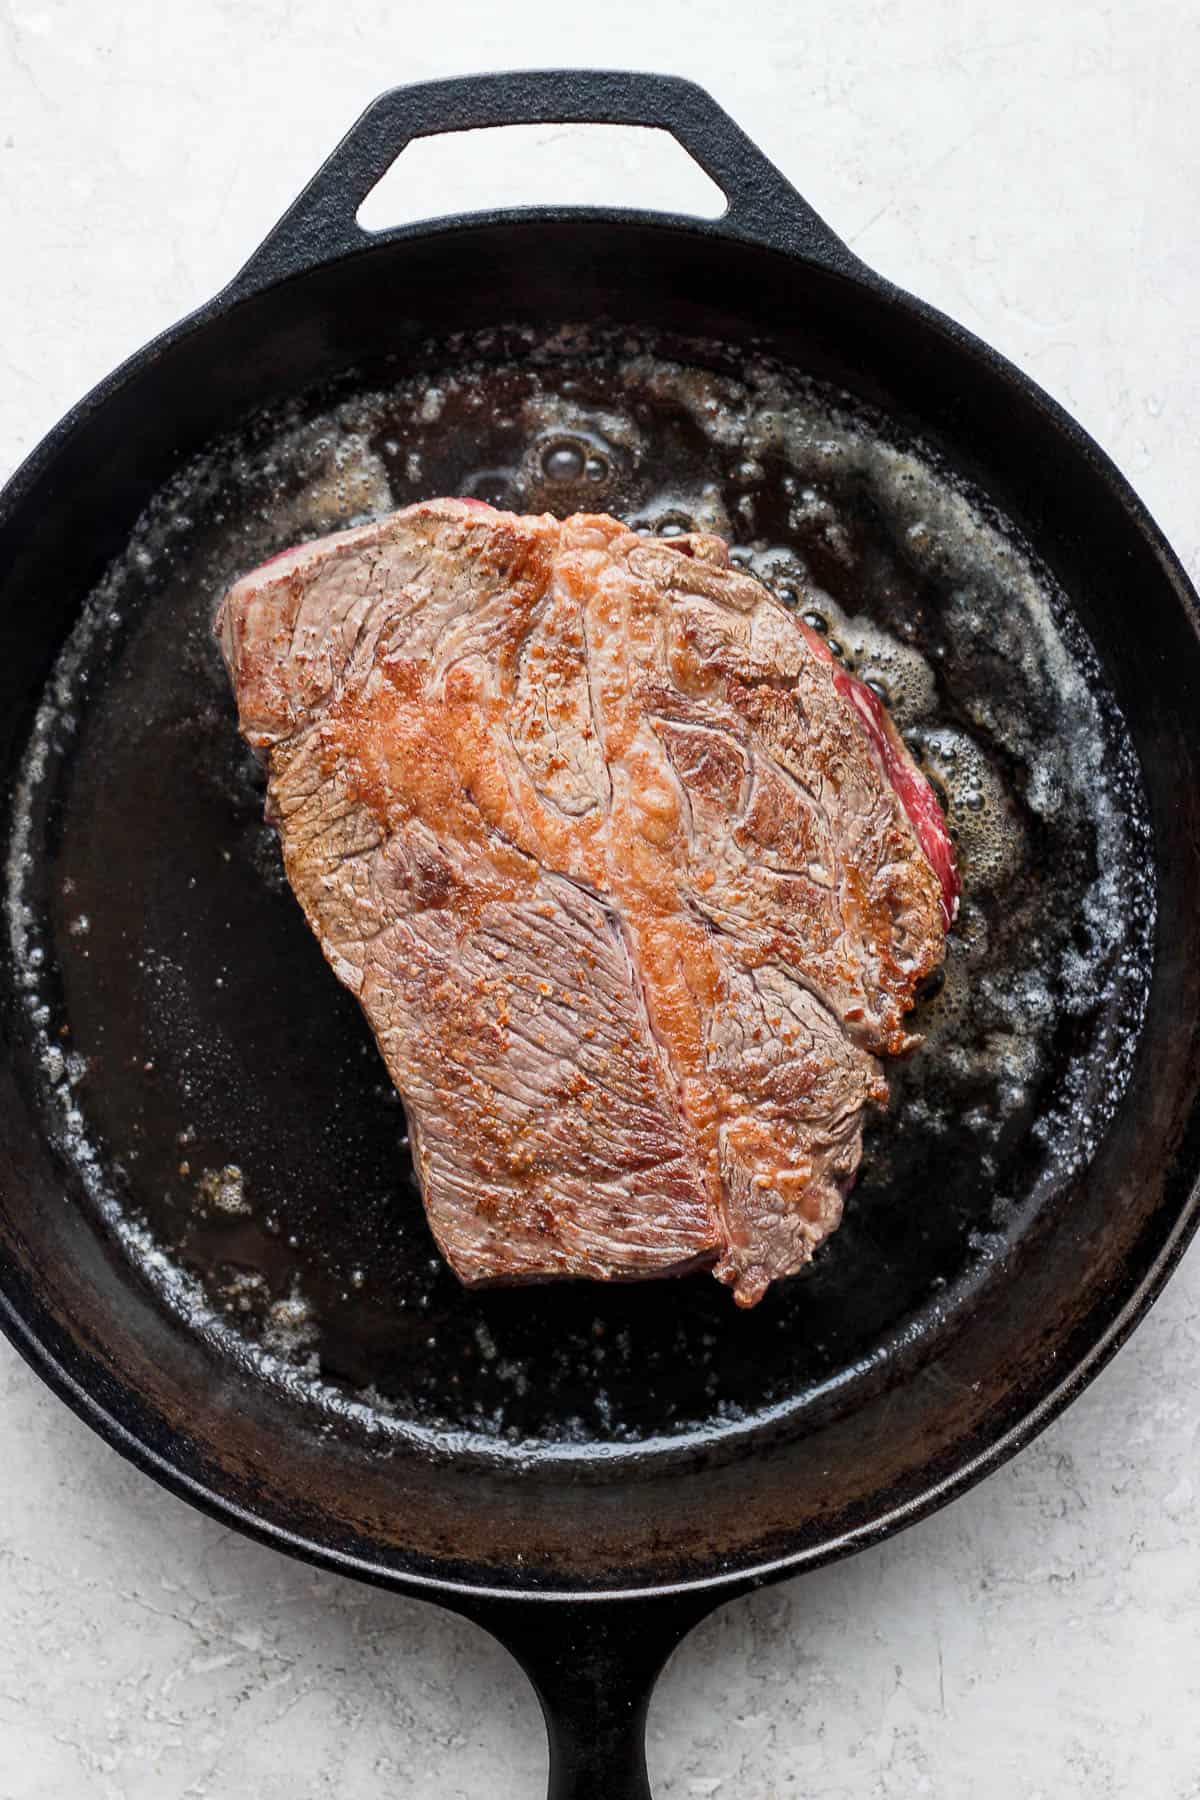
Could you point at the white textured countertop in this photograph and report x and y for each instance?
(1034, 171)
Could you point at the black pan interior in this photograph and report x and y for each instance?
(210, 1099)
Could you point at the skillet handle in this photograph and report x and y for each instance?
(322, 225)
(593, 1665)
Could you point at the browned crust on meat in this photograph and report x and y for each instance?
(560, 782)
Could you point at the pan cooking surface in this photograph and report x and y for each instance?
(215, 1094)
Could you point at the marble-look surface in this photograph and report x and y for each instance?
(1033, 170)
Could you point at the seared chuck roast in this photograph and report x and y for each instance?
(633, 882)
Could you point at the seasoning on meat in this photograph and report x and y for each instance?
(632, 881)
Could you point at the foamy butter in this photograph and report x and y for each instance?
(342, 482)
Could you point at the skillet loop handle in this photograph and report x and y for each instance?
(322, 224)
(593, 1665)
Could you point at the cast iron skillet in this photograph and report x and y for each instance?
(591, 1558)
